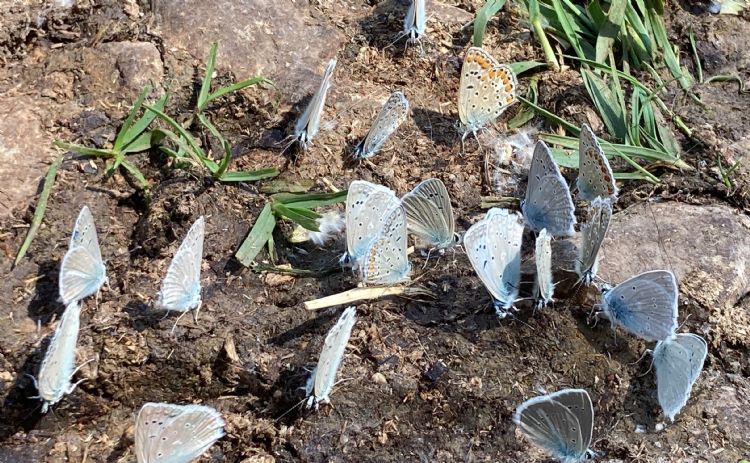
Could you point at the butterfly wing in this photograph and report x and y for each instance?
(486, 89)
(390, 117)
(494, 249)
(82, 271)
(331, 355)
(548, 203)
(645, 305)
(543, 258)
(166, 433)
(595, 177)
(552, 423)
(429, 213)
(415, 21)
(678, 362)
(60, 361)
(181, 288)
(593, 231)
(385, 261)
(308, 124)
(367, 206)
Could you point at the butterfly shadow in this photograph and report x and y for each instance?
(144, 316)
(439, 127)
(46, 305)
(19, 410)
(378, 28)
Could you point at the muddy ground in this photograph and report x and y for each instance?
(450, 373)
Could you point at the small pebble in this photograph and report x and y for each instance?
(378, 378)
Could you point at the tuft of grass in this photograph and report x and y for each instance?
(41, 207)
(133, 137)
(297, 207)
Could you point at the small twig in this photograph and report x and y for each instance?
(362, 294)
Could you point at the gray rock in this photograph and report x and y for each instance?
(138, 63)
(279, 39)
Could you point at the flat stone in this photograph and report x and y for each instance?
(279, 39)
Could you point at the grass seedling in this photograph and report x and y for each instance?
(297, 207)
(133, 137)
(487, 11)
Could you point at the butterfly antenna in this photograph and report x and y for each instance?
(291, 409)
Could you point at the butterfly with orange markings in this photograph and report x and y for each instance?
(486, 90)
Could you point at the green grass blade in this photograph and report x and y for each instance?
(41, 207)
(224, 163)
(310, 200)
(257, 238)
(553, 117)
(182, 148)
(519, 67)
(303, 217)
(194, 148)
(142, 124)
(606, 103)
(696, 58)
(145, 141)
(122, 134)
(610, 29)
(85, 150)
(133, 170)
(250, 175)
(670, 57)
(488, 10)
(206, 85)
(238, 86)
(567, 27)
(527, 113)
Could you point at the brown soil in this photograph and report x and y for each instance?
(453, 372)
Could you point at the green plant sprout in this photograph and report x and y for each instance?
(297, 207)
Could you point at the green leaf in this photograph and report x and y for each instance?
(568, 30)
(142, 124)
(142, 182)
(224, 163)
(257, 238)
(192, 147)
(206, 85)
(310, 200)
(41, 207)
(85, 150)
(239, 86)
(144, 142)
(304, 217)
(488, 10)
(249, 176)
(606, 103)
(520, 67)
(526, 113)
(553, 117)
(610, 29)
(119, 141)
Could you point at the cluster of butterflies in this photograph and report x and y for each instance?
(377, 223)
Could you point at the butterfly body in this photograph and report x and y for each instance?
(678, 362)
(486, 89)
(82, 272)
(323, 377)
(543, 257)
(593, 231)
(595, 177)
(493, 246)
(548, 203)
(644, 305)
(181, 288)
(390, 117)
(415, 21)
(385, 261)
(367, 207)
(429, 214)
(58, 365)
(561, 423)
(309, 122)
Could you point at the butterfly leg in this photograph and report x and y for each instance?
(176, 321)
(197, 309)
(36, 385)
